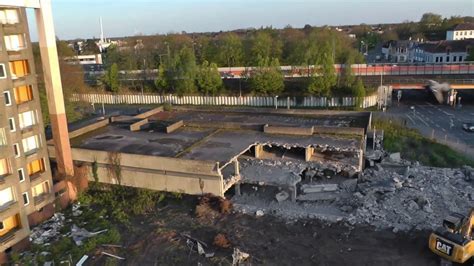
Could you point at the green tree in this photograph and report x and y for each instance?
(261, 46)
(230, 49)
(161, 81)
(268, 78)
(430, 21)
(111, 78)
(186, 70)
(324, 78)
(208, 79)
(358, 91)
(470, 57)
(347, 77)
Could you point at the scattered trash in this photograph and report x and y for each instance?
(82, 260)
(79, 234)
(112, 255)
(48, 231)
(200, 245)
(239, 256)
(75, 210)
(259, 213)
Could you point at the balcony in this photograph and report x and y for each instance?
(31, 152)
(27, 129)
(9, 235)
(36, 175)
(7, 206)
(41, 198)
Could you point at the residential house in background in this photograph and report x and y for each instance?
(397, 51)
(442, 52)
(460, 32)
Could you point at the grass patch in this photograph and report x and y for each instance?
(414, 147)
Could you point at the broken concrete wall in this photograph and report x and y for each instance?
(150, 113)
(89, 128)
(137, 126)
(288, 130)
(154, 172)
(171, 128)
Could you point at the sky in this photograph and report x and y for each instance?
(80, 18)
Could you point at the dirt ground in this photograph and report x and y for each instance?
(156, 239)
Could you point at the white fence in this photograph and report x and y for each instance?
(256, 101)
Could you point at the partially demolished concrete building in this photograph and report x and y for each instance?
(197, 151)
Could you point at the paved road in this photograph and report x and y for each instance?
(441, 121)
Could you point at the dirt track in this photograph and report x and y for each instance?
(155, 240)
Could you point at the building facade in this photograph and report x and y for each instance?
(442, 52)
(461, 32)
(26, 185)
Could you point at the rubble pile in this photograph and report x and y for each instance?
(48, 231)
(418, 199)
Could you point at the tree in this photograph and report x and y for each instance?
(230, 49)
(347, 77)
(267, 79)
(111, 78)
(324, 78)
(261, 46)
(358, 91)
(470, 57)
(208, 79)
(186, 70)
(161, 81)
(430, 21)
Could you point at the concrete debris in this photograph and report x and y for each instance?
(395, 157)
(79, 234)
(349, 185)
(112, 255)
(48, 231)
(307, 188)
(282, 196)
(239, 256)
(82, 260)
(259, 213)
(76, 209)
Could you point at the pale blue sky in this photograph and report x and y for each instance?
(80, 18)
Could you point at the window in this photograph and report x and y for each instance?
(9, 224)
(30, 144)
(16, 150)
(460, 58)
(4, 167)
(3, 73)
(19, 68)
(26, 200)
(3, 137)
(21, 174)
(9, 16)
(441, 59)
(8, 99)
(437, 59)
(27, 119)
(40, 189)
(454, 58)
(11, 122)
(35, 167)
(15, 42)
(447, 58)
(6, 196)
(23, 94)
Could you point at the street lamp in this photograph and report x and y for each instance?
(276, 101)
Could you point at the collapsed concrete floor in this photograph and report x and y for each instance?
(394, 194)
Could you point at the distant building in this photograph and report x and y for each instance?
(442, 52)
(397, 51)
(93, 59)
(461, 32)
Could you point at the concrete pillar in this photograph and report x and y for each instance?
(309, 151)
(54, 91)
(258, 151)
(237, 189)
(292, 193)
(236, 168)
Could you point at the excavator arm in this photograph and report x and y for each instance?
(467, 231)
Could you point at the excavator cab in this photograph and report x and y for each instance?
(454, 240)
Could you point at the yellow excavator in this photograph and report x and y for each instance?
(454, 242)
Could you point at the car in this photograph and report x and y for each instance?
(469, 127)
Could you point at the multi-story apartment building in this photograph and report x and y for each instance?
(460, 32)
(26, 194)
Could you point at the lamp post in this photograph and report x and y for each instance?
(276, 101)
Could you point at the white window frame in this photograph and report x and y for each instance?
(16, 147)
(22, 175)
(27, 198)
(4, 71)
(8, 96)
(10, 120)
(33, 118)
